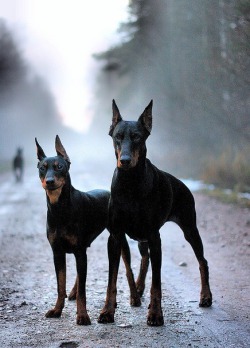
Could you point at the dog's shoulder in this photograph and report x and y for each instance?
(91, 200)
(165, 178)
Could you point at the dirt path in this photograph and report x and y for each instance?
(28, 286)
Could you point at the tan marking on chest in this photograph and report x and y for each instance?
(54, 195)
(71, 239)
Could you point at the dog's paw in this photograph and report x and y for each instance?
(83, 320)
(155, 319)
(72, 296)
(206, 301)
(106, 318)
(53, 313)
(135, 301)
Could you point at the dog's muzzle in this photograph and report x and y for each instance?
(125, 161)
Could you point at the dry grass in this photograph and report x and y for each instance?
(229, 171)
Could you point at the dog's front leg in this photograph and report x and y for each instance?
(155, 317)
(135, 300)
(72, 295)
(114, 254)
(81, 266)
(60, 268)
(140, 282)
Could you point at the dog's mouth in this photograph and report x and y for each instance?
(127, 162)
(54, 193)
(124, 166)
(52, 187)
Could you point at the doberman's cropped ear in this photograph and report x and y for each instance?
(116, 117)
(40, 153)
(60, 150)
(146, 117)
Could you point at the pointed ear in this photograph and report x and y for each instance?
(40, 153)
(146, 117)
(116, 117)
(60, 150)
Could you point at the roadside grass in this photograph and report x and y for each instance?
(229, 171)
(228, 196)
(230, 175)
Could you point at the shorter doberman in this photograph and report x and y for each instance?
(74, 220)
(142, 199)
(18, 165)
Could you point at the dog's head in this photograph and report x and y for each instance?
(129, 137)
(53, 171)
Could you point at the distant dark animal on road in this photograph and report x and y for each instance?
(74, 220)
(18, 165)
(142, 199)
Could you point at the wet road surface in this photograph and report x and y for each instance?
(28, 285)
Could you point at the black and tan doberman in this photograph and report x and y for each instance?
(142, 199)
(74, 220)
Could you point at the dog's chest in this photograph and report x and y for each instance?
(63, 239)
(131, 213)
(70, 239)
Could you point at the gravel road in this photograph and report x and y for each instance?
(28, 285)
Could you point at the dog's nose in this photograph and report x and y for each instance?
(125, 160)
(50, 181)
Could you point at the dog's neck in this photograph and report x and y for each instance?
(59, 198)
(134, 179)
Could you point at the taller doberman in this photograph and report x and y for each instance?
(74, 220)
(143, 198)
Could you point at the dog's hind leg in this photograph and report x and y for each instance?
(187, 222)
(193, 237)
(184, 215)
(135, 300)
(60, 267)
(72, 294)
(140, 282)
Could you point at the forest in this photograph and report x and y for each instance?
(193, 59)
(27, 108)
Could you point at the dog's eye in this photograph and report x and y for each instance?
(119, 136)
(59, 166)
(135, 137)
(42, 168)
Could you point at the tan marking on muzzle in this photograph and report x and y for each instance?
(134, 159)
(118, 151)
(54, 195)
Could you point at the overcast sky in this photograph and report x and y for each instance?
(58, 38)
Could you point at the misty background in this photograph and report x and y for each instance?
(191, 57)
(27, 107)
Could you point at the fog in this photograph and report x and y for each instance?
(191, 58)
(29, 108)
